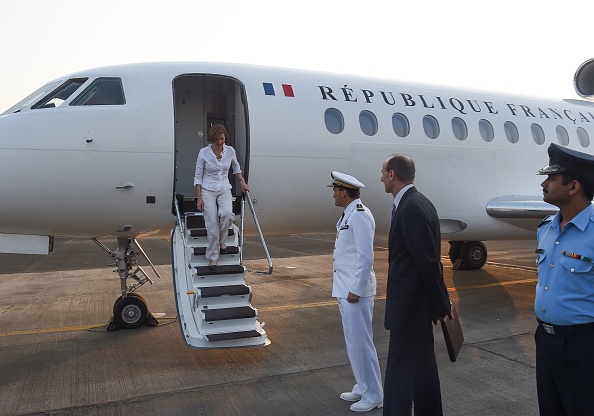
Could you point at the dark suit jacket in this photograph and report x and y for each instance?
(416, 292)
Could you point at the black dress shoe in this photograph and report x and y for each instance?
(212, 266)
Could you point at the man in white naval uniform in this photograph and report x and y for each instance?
(354, 286)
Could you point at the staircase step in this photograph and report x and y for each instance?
(194, 221)
(201, 251)
(216, 291)
(220, 302)
(202, 233)
(232, 335)
(186, 205)
(228, 269)
(212, 315)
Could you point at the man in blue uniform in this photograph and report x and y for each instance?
(564, 303)
(354, 286)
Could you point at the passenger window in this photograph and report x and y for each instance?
(368, 122)
(102, 91)
(583, 137)
(486, 130)
(60, 94)
(459, 128)
(537, 134)
(431, 127)
(400, 125)
(562, 136)
(334, 121)
(511, 132)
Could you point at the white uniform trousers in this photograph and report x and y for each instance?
(358, 334)
(218, 217)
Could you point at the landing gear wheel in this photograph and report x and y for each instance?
(473, 254)
(130, 311)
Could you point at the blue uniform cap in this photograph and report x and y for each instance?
(562, 159)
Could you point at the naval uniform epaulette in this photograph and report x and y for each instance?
(360, 207)
(546, 220)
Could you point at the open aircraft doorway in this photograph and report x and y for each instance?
(200, 101)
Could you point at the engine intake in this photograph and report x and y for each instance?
(583, 81)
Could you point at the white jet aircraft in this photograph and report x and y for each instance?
(112, 151)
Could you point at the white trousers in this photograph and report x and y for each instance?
(358, 334)
(218, 217)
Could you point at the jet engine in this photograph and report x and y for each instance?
(583, 81)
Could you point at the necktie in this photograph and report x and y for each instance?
(339, 222)
(393, 210)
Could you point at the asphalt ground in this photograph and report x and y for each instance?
(57, 359)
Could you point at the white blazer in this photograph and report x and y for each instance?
(353, 253)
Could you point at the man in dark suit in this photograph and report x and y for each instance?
(416, 295)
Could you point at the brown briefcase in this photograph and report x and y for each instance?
(452, 332)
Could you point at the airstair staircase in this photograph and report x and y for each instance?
(214, 306)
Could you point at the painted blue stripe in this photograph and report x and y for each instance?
(268, 88)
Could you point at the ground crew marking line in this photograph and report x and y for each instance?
(49, 330)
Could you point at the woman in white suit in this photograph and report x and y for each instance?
(213, 189)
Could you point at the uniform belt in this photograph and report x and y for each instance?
(580, 329)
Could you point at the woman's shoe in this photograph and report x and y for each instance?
(212, 265)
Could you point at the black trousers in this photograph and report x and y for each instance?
(564, 374)
(411, 375)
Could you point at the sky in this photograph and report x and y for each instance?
(516, 46)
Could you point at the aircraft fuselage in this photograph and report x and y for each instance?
(90, 170)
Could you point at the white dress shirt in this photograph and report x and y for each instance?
(399, 195)
(212, 173)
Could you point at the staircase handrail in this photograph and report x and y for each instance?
(182, 226)
(258, 228)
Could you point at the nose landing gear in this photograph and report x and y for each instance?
(130, 309)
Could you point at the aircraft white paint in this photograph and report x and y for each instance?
(105, 151)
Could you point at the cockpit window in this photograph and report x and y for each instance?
(31, 98)
(102, 91)
(60, 94)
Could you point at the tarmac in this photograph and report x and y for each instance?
(56, 358)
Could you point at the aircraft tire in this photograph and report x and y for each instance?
(473, 254)
(130, 312)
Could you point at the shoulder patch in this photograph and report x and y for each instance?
(360, 207)
(546, 220)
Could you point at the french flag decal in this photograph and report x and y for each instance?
(269, 89)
